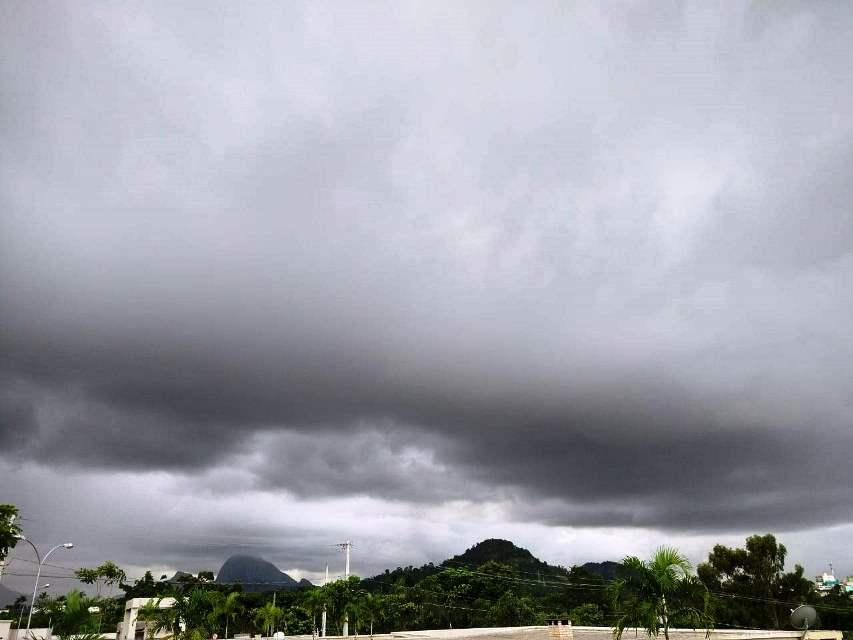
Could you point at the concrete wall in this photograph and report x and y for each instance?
(39, 634)
(45, 633)
(605, 633)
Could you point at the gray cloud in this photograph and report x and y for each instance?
(596, 265)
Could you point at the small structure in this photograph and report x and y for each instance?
(41, 633)
(559, 629)
(826, 582)
(131, 628)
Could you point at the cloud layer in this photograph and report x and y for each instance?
(588, 266)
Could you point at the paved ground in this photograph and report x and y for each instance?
(501, 633)
(590, 633)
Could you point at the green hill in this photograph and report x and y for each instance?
(492, 583)
(505, 552)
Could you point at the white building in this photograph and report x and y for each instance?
(131, 628)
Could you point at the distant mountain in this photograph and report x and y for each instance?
(7, 596)
(255, 574)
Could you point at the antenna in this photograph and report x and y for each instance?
(803, 617)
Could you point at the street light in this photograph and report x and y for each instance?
(64, 545)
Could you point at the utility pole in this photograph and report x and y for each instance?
(347, 547)
(325, 582)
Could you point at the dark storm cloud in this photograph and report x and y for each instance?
(597, 263)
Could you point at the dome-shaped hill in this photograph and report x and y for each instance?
(255, 574)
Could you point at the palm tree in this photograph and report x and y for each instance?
(267, 617)
(226, 606)
(371, 609)
(341, 595)
(354, 609)
(187, 619)
(71, 618)
(315, 601)
(651, 593)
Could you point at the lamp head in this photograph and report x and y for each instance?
(20, 536)
(68, 545)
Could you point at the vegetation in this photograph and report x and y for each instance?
(494, 583)
(752, 583)
(226, 608)
(71, 618)
(106, 574)
(268, 617)
(651, 594)
(187, 618)
(9, 531)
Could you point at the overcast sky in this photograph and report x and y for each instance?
(276, 275)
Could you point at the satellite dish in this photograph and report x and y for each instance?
(803, 617)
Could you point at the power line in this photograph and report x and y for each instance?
(43, 575)
(449, 606)
(529, 573)
(418, 588)
(554, 585)
(44, 564)
(780, 602)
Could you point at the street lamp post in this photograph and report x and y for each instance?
(41, 561)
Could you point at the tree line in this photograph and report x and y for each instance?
(744, 587)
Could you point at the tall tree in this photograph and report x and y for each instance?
(314, 602)
(106, 574)
(9, 531)
(341, 595)
(371, 609)
(756, 575)
(652, 593)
